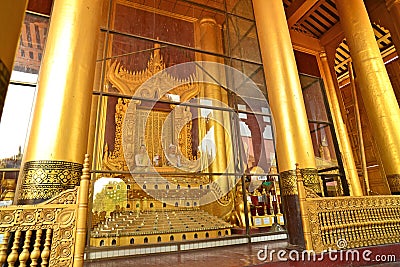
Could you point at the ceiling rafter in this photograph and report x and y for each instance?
(298, 9)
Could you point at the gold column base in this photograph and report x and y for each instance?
(394, 183)
(292, 205)
(311, 179)
(44, 179)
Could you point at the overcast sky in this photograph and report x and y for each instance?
(16, 113)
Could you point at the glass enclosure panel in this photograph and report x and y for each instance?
(251, 71)
(323, 137)
(257, 142)
(97, 86)
(174, 22)
(324, 148)
(178, 139)
(174, 138)
(314, 99)
(241, 39)
(242, 8)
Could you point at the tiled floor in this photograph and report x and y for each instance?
(229, 256)
(239, 256)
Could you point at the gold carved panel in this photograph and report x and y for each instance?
(43, 232)
(137, 119)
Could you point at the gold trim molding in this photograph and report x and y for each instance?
(45, 179)
(311, 181)
(394, 183)
(289, 183)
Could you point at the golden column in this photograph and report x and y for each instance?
(60, 123)
(343, 137)
(210, 41)
(376, 89)
(293, 140)
(12, 15)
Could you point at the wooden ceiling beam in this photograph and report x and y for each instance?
(304, 43)
(333, 34)
(297, 10)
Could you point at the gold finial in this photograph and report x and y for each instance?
(86, 170)
(298, 173)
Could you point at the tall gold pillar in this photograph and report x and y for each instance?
(12, 15)
(60, 123)
(343, 137)
(376, 90)
(293, 140)
(210, 41)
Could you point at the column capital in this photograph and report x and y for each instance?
(208, 20)
(323, 54)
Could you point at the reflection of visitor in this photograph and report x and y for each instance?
(142, 161)
(256, 180)
(324, 149)
(156, 160)
(173, 158)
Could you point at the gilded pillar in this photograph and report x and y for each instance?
(12, 15)
(293, 140)
(343, 137)
(59, 127)
(376, 90)
(210, 41)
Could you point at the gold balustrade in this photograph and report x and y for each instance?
(336, 223)
(52, 233)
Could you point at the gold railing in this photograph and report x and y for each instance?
(52, 233)
(348, 222)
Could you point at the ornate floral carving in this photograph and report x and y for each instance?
(288, 181)
(129, 82)
(311, 179)
(52, 221)
(66, 197)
